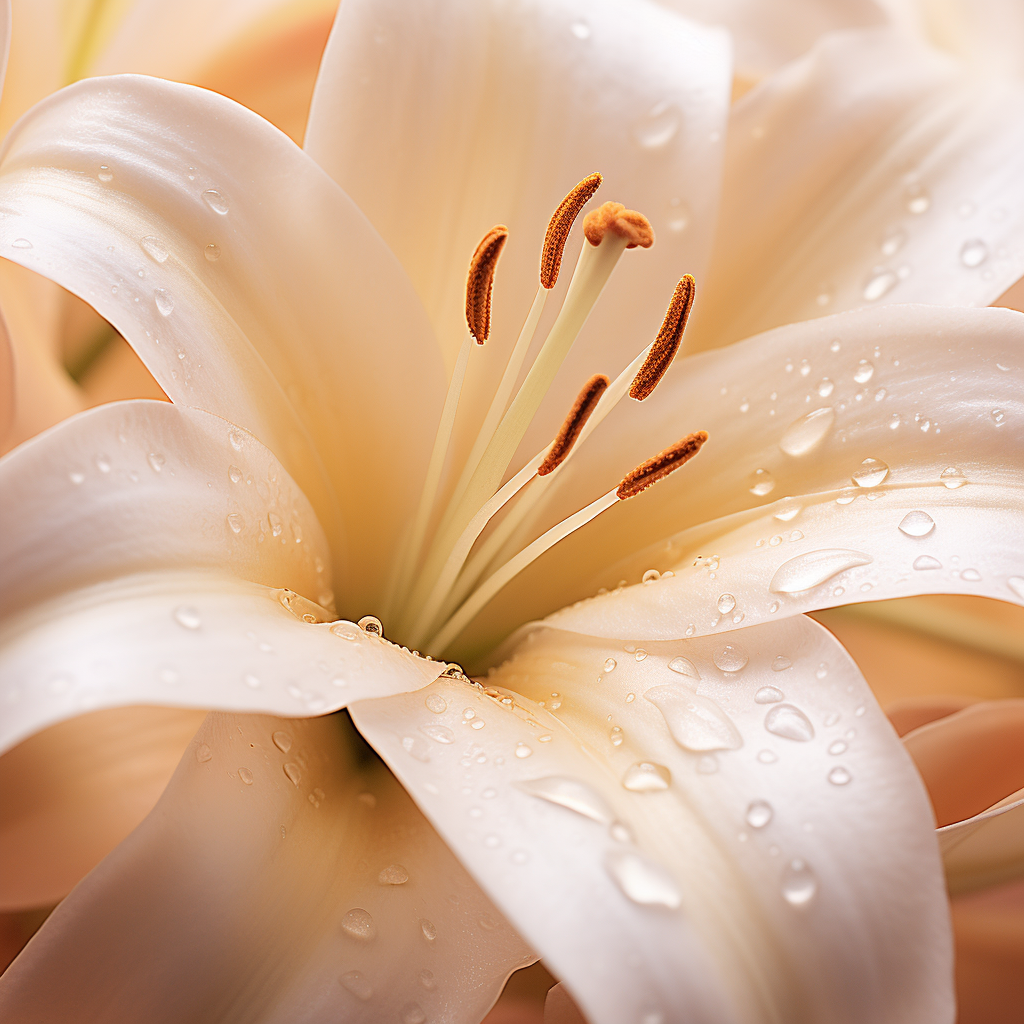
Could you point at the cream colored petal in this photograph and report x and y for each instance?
(71, 793)
(443, 119)
(154, 555)
(264, 295)
(774, 861)
(869, 172)
(283, 877)
(7, 393)
(933, 394)
(33, 56)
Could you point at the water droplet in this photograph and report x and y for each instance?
(203, 753)
(973, 252)
(436, 703)
(358, 923)
(971, 575)
(684, 667)
(879, 283)
(616, 736)
(609, 664)
(252, 681)
(787, 512)
(416, 747)
(646, 777)
(642, 880)
(679, 215)
(236, 522)
(293, 772)
(731, 658)
(799, 883)
(768, 695)
(215, 201)
(917, 524)
(761, 482)
(864, 372)
(893, 242)
(696, 723)
(767, 756)
(1016, 584)
(164, 301)
(580, 29)
(894, 421)
(103, 463)
(807, 432)
(813, 568)
(839, 776)
(916, 197)
(570, 793)
(789, 722)
(726, 603)
(658, 126)
(781, 663)
(105, 174)
(187, 617)
(927, 562)
(428, 981)
(76, 478)
(640, 654)
(155, 248)
(522, 750)
(412, 1014)
(429, 931)
(21, 243)
(393, 874)
(952, 478)
(998, 417)
(357, 985)
(372, 625)
(759, 813)
(282, 741)
(651, 576)
(825, 387)
(245, 775)
(440, 733)
(870, 473)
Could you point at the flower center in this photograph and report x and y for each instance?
(443, 574)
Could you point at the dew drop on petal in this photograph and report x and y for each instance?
(917, 524)
(759, 813)
(952, 478)
(357, 984)
(825, 387)
(879, 283)
(427, 980)
(870, 473)
(522, 750)
(761, 482)
(413, 1014)
(864, 372)
(569, 793)
(393, 874)
(839, 776)
(105, 174)
(769, 695)
(781, 663)
(927, 562)
(282, 741)
(998, 417)
(646, 777)
(187, 617)
(696, 723)
(804, 434)
(973, 252)
(359, 924)
(438, 733)
(215, 201)
(813, 568)
(642, 880)
(436, 703)
(730, 658)
(154, 248)
(684, 667)
(726, 603)
(651, 576)
(236, 522)
(293, 772)
(657, 127)
(799, 883)
(609, 664)
(428, 929)
(789, 722)
(203, 753)
(971, 575)
(164, 301)
(212, 252)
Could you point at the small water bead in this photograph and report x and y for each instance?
(236, 522)
(893, 242)
(870, 473)
(917, 524)
(839, 776)
(646, 777)
(973, 252)
(767, 756)
(164, 301)
(837, 747)
(651, 576)
(187, 617)
(428, 981)
(522, 750)
(825, 387)
(371, 625)
(769, 695)
(787, 512)
(105, 174)
(359, 924)
(215, 201)
(640, 654)
(952, 478)
(679, 215)
(569, 793)
(658, 126)
(154, 248)
(620, 833)
(821, 671)
(696, 723)
(805, 433)
(684, 667)
(357, 985)
(642, 880)
(203, 753)
(998, 417)
(428, 929)
(971, 575)
(282, 741)
(799, 883)
(438, 733)
(616, 736)
(880, 283)
(393, 874)
(726, 603)
(789, 722)
(609, 664)
(864, 372)
(293, 772)
(927, 562)
(245, 775)
(731, 658)
(781, 663)
(894, 421)
(759, 813)
(811, 569)
(212, 252)
(253, 682)
(412, 1014)
(916, 197)
(436, 703)
(761, 482)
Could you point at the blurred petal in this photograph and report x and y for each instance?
(71, 793)
(869, 172)
(560, 1009)
(266, 297)
(282, 877)
(164, 534)
(791, 828)
(913, 712)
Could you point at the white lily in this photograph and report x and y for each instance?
(684, 824)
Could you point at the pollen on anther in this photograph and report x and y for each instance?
(480, 280)
(585, 404)
(666, 345)
(559, 226)
(634, 227)
(664, 463)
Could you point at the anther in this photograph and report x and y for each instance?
(668, 461)
(479, 281)
(585, 404)
(561, 222)
(634, 227)
(666, 345)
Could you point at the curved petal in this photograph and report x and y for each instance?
(933, 394)
(774, 860)
(71, 793)
(285, 323)
(869, 172)
(165, 535)
(913, 712)
(283, 877)
(496, 112)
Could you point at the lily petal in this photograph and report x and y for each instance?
(166, 535)
(751, 844)
(869, 172)
(265, 296)
(283, 877)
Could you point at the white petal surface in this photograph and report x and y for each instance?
(248, 282)
(802, 860)
(870, 172)
(154, 555)
(933, 394)
(283, 877)
(443, 119)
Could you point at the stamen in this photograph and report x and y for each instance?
(559, 226)
(634, 227)
(585, 404)
(666, 462)
(666, 345)
(480, 280)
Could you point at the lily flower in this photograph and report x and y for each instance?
(677, 789)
